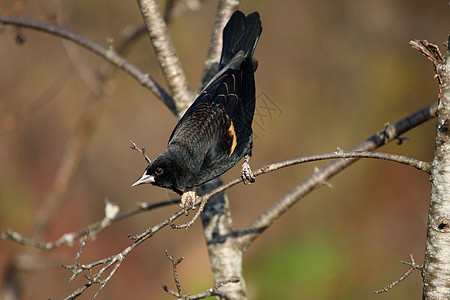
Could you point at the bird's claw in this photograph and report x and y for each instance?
(247, 175)
(187, 200)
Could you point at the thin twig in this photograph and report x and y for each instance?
(403, 277)
(175, 272)
(78, 291)
(142, 151)
(77, 256)
(413, 264)
(115, 260)
(118, 258)
(433, 53)
(88, 267)
(118, 261)
(67, 238)
(430, 51)
(214, 291)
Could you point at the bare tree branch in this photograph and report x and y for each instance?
(403, 277)
(117, 259)
(78, 291)
(420, 165)
(214, 291)
(69, 238)
(166, 55)
(78, 255)
(175, 263)
(436, 271)
(108, 54)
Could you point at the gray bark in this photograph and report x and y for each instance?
(436, 271)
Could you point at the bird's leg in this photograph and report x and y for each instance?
(247, 174)
(187, 199)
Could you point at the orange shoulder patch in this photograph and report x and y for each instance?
(232, 134)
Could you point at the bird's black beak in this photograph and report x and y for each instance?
(144, 179)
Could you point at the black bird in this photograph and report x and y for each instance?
(215, 133)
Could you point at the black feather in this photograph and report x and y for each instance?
(240, 33)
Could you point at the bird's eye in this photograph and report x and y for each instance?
(159, 171)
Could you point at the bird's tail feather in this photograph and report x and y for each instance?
(240, 33)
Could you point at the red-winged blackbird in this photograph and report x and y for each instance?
(216, 130)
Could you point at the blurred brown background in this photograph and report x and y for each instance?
(334, 71)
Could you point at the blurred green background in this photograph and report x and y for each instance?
(334, 71)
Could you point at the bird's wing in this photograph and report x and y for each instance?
(235, 90)
(201, 127)
(213, 124)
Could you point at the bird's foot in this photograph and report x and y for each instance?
(187, 200)
(247, 174)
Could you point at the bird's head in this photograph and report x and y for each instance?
(164, 171)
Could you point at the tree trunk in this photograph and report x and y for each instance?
(225, 255)
(436, 271)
